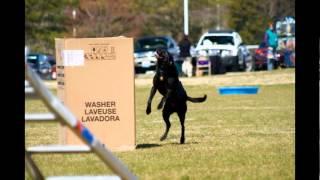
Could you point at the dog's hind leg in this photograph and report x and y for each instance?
(182, 115)
(166, 115)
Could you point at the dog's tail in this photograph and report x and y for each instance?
(197, 100)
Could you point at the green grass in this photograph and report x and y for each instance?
(227, 137)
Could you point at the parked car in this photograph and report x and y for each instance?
(227, 45)
(285, 28)
(145, 47)
(285, 52)
(260, 58)
(43, 64)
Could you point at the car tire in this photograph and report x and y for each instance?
(241, 67)
(235, 65)
(253, 64)
(217, 67)
(139, 70)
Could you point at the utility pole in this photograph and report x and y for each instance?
(186, 19)
(74, 14)
(218, 12)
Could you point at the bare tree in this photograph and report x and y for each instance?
(101, 18)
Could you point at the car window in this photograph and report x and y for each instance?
(150, 44)
(51, 60)
(42, 57)
(32, 60)
(33, 64)
(220, 40)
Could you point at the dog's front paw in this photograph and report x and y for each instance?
(148, 110)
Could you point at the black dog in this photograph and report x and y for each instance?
(174, 98)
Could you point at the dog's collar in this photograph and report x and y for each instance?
(161, 78)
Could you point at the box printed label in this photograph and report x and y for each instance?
(101, 52)
(100, 111)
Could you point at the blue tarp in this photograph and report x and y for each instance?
(238, 90)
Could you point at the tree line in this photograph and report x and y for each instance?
(46, 20)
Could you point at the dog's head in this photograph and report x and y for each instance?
(165, 63)
(162, 56)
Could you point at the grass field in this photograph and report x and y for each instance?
(227, 137)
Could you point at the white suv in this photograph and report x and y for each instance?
(227, 44)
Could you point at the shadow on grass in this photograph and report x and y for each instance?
(145, 146)
(186, 143)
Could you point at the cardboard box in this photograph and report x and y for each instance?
(95, 79)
